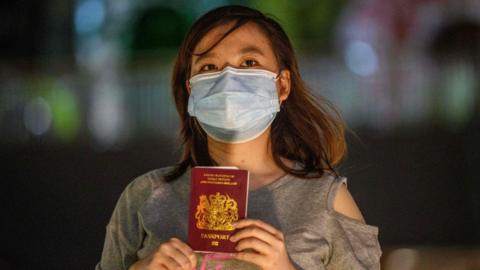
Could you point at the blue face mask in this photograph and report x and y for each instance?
(234, 105)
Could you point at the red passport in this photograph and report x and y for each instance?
(218, 198)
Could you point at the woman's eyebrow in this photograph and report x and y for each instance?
(252, 49)
(204, 56)
(249, 49)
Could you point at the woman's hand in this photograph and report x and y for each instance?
(262, 244)
(173, 254)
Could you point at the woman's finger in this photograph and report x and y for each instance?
(185, 249)
(255, 232)
(173, 257)
(251, 257)
(255, 222)
(162, 267)
(255, 244)
(170, 263)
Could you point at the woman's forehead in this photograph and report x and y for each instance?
(246, 35)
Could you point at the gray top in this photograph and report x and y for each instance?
(151, 211)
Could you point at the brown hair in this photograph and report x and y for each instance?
(307, 129)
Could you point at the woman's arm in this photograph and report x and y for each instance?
(345, 204)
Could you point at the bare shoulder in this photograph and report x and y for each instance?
(345, 204)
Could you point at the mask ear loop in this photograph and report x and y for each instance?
(278, 76)
(276, 79)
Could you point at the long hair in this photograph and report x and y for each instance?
(307, 129)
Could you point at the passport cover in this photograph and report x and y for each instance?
(218, 198)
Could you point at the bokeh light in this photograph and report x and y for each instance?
(89, 16)
(37, 116)
(66, 112)
(361, 58)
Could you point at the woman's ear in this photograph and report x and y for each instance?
(283, 85)
(187, 86)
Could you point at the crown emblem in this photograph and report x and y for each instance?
(216, 212)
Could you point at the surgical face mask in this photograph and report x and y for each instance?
(234, 105)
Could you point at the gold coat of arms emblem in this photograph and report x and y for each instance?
(216, 212)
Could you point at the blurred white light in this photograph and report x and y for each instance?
(89, 16)
(361, 58)
(458, 94)
(106, 121)
(37, 116)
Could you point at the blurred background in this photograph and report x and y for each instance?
(85, 106)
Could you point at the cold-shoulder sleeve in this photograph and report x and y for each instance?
(355, 244)
(124, 232)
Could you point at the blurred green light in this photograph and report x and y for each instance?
(459, 95)
(66, 114)
(64, 107)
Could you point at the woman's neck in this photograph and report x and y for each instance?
(254, 156)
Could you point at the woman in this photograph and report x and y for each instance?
(242, 103)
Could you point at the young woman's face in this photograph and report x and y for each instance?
(245, 47)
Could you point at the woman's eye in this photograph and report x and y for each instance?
(249, 63)
(208, 67)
